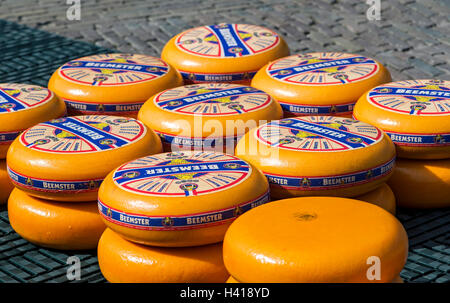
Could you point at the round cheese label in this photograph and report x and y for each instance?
(227, 40)
(213, 99)
(182, 174)
(113, 69)
(413, 97)
(18, 97)
(83, 134)
(322, 69)
(318, 134)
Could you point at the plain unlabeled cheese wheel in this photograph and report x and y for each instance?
(382, 196)
(315, 239)
(208, 116)
(421, 183)
(223, 52)
(414, 113)
(122, 261)
(66, 159)
(5, 183)
(320, 83)
(319, 156)
(66, 226)
(112, 84)
(184, 198)
(22, 106)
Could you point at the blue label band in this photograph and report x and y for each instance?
(7, 102)
(413, 92)
(7, 138)
(54, 186)
(231, 77)
(317, 110)
(179, 222)
(229, 39)
(147, 69)
(99, 108)
(331, 182)
(420, 139)
(197, 142)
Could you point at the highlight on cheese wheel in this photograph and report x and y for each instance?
(65, 226)
(223, 52)
(66, 159)
(319, 156)
(208, 116)
(112, 84)
(22, 106)
(414, 113)
(421, 183)
(381, 196)
(315, 240)
(5, 184)
(325, 83)
(184, 198)
(122, 261)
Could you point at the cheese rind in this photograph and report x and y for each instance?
(381, 196)
(5, 184)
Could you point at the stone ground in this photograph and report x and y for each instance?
(411, 39)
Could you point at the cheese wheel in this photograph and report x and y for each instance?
(66, 226)
(223, 52)
(112, 84)
(5, 184)
(66, 159)
(382, 196)
(320, 83)
(398, 279)
(315, 239)
(414, 113)
(122, 261)
(231, 279)
(22, 106)
(319, 156)
(421, 183)
(184, 198)
(208, 116)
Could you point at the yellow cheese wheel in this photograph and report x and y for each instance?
(112, 84)
(223, 52)
(315, 239)
(66, 159)
(421, 183)
(5, 184)
(66, 226)
(208, 116)
(414, 113)
(382, 196)
(319, 156)
(231, 279)
(122, 261)
(22, 106)
(326, 83)
(184, 198)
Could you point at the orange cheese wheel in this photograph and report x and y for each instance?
(320, 83)
(381, 196)
(22, 106)
(231, 279)
(67, 226)
(208, 116)
(5, 184)
(112, 84)
(122, 261)
(184, 198)
(223, 52)
(414, 113)
(315, 239)
(66, 159)
(319, 156)
(421, 183)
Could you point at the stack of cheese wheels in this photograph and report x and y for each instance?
(167, 215)
(223, 52)
(208, 116)
(320, 83)
(416, 115)
(112, 84)
(22, 106)
(57, 168)
(315, 239)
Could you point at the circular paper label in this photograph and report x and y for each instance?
(18, 97)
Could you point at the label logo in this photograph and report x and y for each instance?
(17, 97)
(322, 69)
(318, 133)
(83, 134)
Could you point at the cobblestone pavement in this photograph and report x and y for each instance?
(412, 38)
